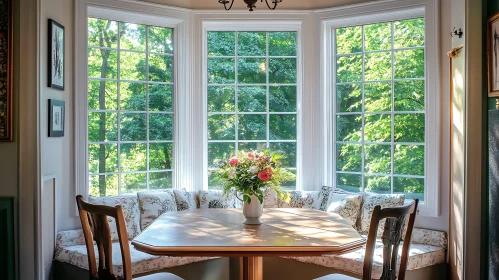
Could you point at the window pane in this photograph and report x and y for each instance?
(378, 184)
(291, 185)
(133, 36)
(132, 66)
(409, 96)
(102, 95)
(349, 128)
(160, 180)
(133, 127)
(160, 156)
(213, 182)
(252, 146)
(252, 127)
(102, 33)
(411, 187)
(221, 99)
(288, 150)
(160, 40)
(378, 159)
(409, 64)
(410, 128)
(282, 43)
(349, 98)
(410, 33)
(349, 69)
(282, 70)
(409, 160)
(349, 157)
(282, 98)
(378, 97)
(219, 152)
(252, 71)
(378, 128)
(102, 63)
(349, 182)
(160, 127)
(252, 99)
(160, 98)
(221, 43)
(221, 71)
(133, 183)
(221, 127)
(102, 127)
(103, 185)
(160, 68)
(102, 158)
(251, 43)
(378, 66)
(378, 36)
(133, 157)
(282, 127)
(133, 96)
(349, 40)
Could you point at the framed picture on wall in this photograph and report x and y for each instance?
(56, 55)
(56, 118)
(6, 68)
(493, 54)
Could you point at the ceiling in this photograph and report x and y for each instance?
(239, 4)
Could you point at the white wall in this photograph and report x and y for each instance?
(57, 153)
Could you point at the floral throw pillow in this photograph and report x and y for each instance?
(301, 199)
(347, 206)
(154, 204)
(185, 200)
(269, 198)
(370, 201)
(215, 199)
(130, 205)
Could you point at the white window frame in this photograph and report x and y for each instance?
(376, 13)
(139, 13)
(262, 26)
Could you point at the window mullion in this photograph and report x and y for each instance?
(236, 92)
(362, 140)
(393, 108)
(268, 87)
(147, 108)
(118, 76)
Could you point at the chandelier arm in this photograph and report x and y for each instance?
(225, 4)
(275, 5)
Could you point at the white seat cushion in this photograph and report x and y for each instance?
(420, 255)
(141, 262)
(154, 204)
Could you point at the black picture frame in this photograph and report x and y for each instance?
(57, 115)
(56, 55)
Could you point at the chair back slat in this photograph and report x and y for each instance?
(94, 221)
(392, 236)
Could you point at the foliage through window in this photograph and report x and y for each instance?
(380, 107)
(252, 95)
(130, 107)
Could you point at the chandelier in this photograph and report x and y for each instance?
(250, 3)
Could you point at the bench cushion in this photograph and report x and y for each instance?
(216, 199)
(131, 213)
(420, 255)
(153, 204)
(301, 199)
(141, 262)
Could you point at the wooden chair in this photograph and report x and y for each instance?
(392, 235)
(95, 226)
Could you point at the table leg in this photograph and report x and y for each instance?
(251, 268)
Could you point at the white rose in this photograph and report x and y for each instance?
(253, 170)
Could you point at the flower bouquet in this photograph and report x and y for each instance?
(250, 174)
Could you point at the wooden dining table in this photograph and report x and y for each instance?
(285, 232)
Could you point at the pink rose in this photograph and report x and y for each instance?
(233, 161)
(264, 176)
(251, 155)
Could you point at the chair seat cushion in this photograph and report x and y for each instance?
(336, 277)
(141, 262)
(420, 255)
(159, 276)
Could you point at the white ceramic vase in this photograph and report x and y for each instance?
(253, 211)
